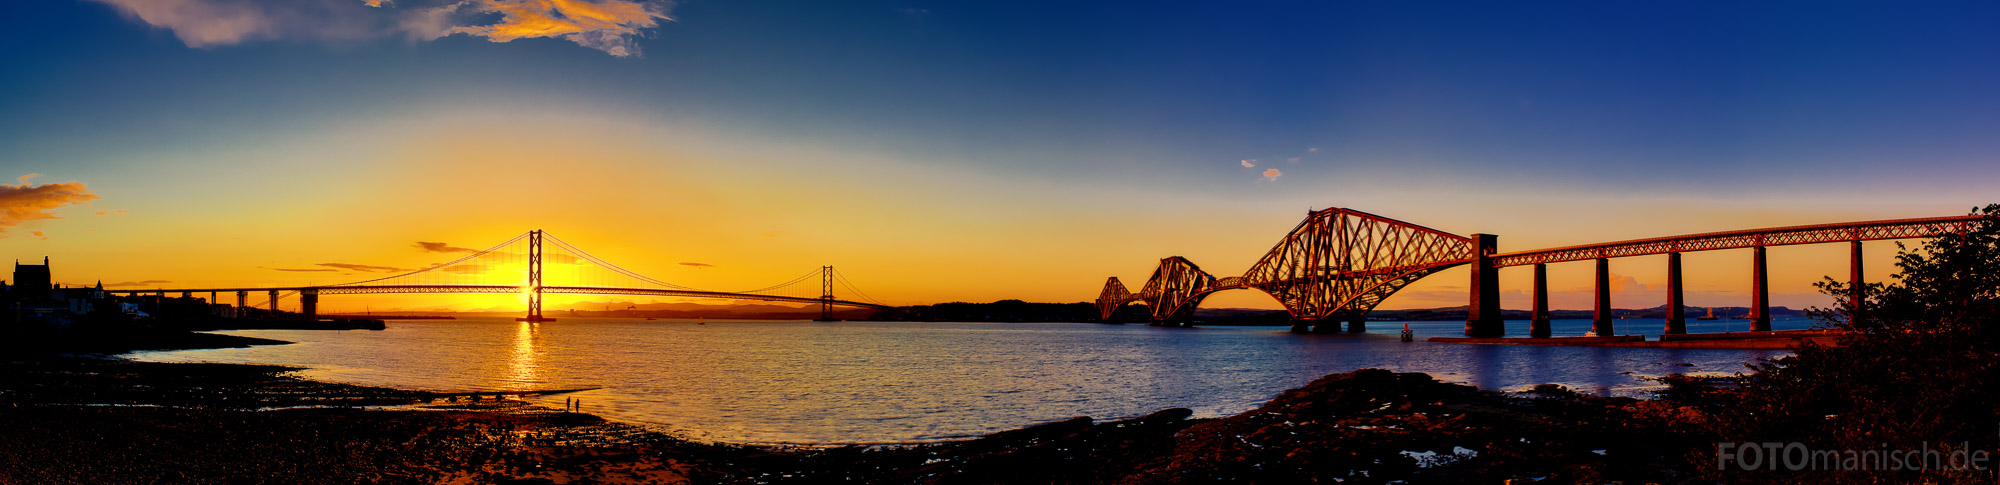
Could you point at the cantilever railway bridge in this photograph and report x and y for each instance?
(1340, 263)
(528, 270)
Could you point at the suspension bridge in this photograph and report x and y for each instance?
(536, 263)
(1339, 264)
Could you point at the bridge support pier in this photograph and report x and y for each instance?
(309, 304)
(1600, 323)
(534, 279)
(1676, 311)
(826, 295)
(1855, 292)
(1482, 318)
(1302, 326)
(242, 303)
(1357, 322)
(1760, 293)
(1538, 320)
(274, 304)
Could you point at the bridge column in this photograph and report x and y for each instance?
(1677, 321)
(826, 294)
(1330, 324)
(534, 279)
(1854, 282)
(1482, 318)
(1760, 293)
(242, 303)
(1538, 321)
(309, 303)
(274, 303)
(1600, 323)
(1302, 326)
(1357, 322)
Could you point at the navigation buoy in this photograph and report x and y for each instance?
(1407, 336)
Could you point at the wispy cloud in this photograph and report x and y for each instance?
(1249, 164)
(29, 202)
(698, 265)
(306, 270)
(360, 267)
(606, 25)
(210, 23)
(439, 247)
(39, 234)
(136, 283)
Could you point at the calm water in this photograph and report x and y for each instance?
(869, 382)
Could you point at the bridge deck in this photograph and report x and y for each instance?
(504, 289)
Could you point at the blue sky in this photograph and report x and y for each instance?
(1122, 126)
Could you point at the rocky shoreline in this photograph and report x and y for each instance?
(82, 419)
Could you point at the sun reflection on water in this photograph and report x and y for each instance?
(522, 370)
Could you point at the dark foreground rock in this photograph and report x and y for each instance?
(1368, 426)
(110, 421)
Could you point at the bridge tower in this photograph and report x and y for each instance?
(825, 295)
(534, 279)
(309, 303)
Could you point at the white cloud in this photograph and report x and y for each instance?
(1249, 163)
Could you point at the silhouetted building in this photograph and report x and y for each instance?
(35, 298)
(83, 301)
(31, 280)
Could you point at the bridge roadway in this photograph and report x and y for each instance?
(1341, 263)
(309, 295)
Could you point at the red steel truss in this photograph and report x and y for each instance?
(1776, 236)
(1341, 262)
(1338, 262)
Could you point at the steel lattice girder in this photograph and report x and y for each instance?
(1335, 261)
(1339, 261)
(1176, 287)
(1114, 295)
(1776, 236)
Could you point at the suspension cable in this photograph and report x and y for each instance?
(600, 262)
(856, 289)
(445, 265)
(794, 281)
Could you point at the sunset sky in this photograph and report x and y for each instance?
(973, 151)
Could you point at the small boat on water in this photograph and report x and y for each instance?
(700, 321)
(1709, 316)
